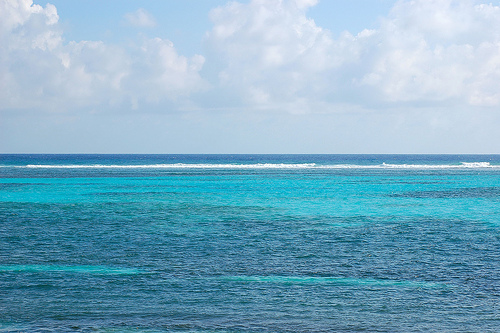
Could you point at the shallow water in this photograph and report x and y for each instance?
(249, 243)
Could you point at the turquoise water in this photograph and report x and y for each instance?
(249, 243)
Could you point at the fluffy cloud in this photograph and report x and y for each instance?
(268, 54)
(141, 18)
(17, 13)
(424, 52)
(274, 53)
(158, 72)
(39, 70)
(437, 51)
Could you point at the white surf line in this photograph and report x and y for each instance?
(462, 165)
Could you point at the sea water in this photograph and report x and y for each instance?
(249, 243)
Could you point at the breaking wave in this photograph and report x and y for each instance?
(463, 165)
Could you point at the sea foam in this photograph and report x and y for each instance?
(264, 166)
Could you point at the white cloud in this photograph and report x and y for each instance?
(39, 70)
(270, 54)
(437, 51)
(141, 18)
(424, 52)
(158, 72)
(273, 53)
(17, 12)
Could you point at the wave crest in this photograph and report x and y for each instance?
(229, 166)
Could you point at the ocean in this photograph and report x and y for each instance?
(249, 243)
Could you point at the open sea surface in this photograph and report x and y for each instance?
(249, 243)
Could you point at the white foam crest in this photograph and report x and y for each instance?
(229, 166)
(477, 165)
(178, 166)
(462, 165)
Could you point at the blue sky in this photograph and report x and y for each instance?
(254, 76)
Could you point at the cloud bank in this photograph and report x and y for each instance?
(437, 51)
(426, 52)
(269, 55)
(39, 70)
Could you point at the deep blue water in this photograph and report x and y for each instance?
(249, 243)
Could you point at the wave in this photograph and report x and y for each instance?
(462, 165)
(72, 269)
(330, 280)
(177, 166)
(228, 166)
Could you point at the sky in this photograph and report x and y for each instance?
(250, 76)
